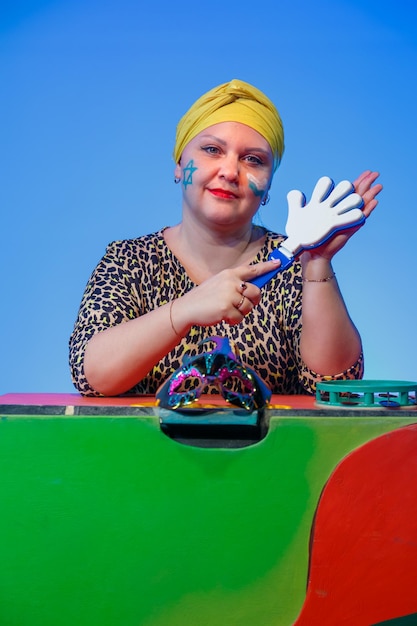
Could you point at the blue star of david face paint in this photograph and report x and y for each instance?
(188, 172)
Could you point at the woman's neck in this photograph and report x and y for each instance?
(204, 254)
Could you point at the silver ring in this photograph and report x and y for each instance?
(240, 303)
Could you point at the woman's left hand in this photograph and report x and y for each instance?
(364, 186)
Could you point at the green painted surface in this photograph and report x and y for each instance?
(106, 521)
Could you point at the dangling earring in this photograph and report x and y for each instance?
(177, 180)
(265, 200)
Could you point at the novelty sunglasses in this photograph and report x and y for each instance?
(219, 368)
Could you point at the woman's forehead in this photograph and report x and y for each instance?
(235, 132)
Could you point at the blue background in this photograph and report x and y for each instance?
(90, 94)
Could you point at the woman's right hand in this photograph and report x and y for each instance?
(227, 296)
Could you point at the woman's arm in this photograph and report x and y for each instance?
(330, 343)
(119, 357)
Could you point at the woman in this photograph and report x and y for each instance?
(151, 300)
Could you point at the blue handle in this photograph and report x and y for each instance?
(260, 281)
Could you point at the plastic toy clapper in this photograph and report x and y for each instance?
(331, 209)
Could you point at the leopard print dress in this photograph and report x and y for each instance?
(137, 275)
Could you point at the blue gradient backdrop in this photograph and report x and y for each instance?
(91, 92)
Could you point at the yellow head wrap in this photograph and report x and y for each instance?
(235, 101)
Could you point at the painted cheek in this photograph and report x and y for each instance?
(258, 187)
(187, 173)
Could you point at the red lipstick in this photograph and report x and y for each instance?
(223, 193)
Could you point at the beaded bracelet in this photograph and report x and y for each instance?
(319, 280)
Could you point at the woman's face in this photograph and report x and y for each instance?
(225, 172)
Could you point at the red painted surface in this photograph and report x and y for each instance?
(363, 561)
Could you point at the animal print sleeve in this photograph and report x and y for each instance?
(108, 300)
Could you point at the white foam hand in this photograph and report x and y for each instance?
(331, 208)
